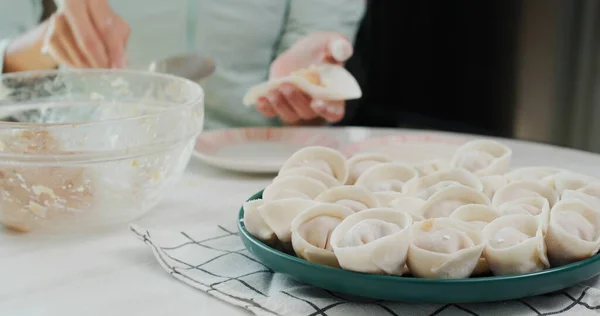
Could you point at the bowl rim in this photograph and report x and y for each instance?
(412, 280)
(198, 95)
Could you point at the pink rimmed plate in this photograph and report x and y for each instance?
(256, 150)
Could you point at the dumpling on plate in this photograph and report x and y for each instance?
(483, 157)
(514, 244)
(493, 183)
(386, 198)
(311, 232)
(293, 187)
(373, 241)
(589, 194)
(327, 179)
(430, 184)
(444, 248)
(279, 214)
(573, 232)
(390, 177)
(358, 163)
(410, 205)
(255, 224)
(531, 173)
(478, 216)
(321, 158)
(353, 197)
(524, 189)
(567, 180)
(535, 206)
(431, 166)
(446, 201)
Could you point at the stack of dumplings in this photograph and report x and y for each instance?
(468, 216)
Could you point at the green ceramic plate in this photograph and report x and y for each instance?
(409, 289)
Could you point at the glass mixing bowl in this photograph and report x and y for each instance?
(89, 148)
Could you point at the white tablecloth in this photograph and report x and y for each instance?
(113, 273)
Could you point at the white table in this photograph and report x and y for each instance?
(113, 273)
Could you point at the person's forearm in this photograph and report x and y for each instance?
(25, 52)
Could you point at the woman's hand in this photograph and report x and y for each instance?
(290, 103)
(87, 34)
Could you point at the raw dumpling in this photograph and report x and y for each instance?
(514, 244)
(279, 214)
(531, 173)
(311, 232)
(536, 206)
(410, 205)
(589, 194)
(483, 157)
(385, 198)
(573, 232)
(353, 197)
(323, 82)
(444, 248)
(478, 216)
(327, 179)
(293, 187)
(429, 185)
(567, 180)
(447, 200)
(358, 163)
(390, 176)
(522, 189)
(492, 183)
(373, 241)
(432, 166)
(324, 159)
(255, 224)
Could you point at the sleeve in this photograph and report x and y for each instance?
(16, 17)
(306, 16)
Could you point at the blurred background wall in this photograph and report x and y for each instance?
(526, 69)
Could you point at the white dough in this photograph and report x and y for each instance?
(324, 159)
(483, 157)
(373, 241)
(353, 197)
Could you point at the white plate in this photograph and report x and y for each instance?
(256, 150)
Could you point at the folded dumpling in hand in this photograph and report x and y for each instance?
(390, 177)
(589, 194)
(573, 232)
(531, 173)
(322, 158)
(410, 205)
(447, 200)
(524, 189)
(327, 179)
(567, 180)
(444, 248)
(430, 184)
(514, 244)
(358, 163)
(483, 157)
(323, 82)
(492, 183)
(293, 187)
(350, 196)
(373, 241)
(311, 232)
